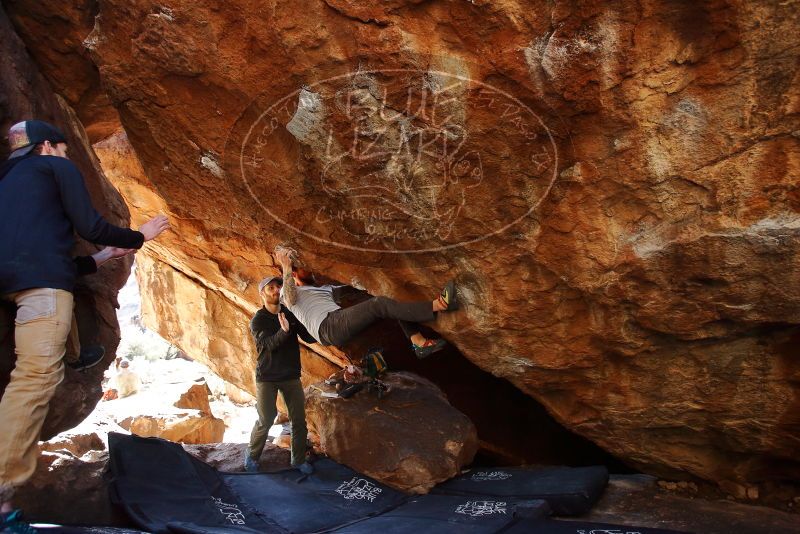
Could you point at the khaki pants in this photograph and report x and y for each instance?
(295, 400)
(41, 328)
(73, 348)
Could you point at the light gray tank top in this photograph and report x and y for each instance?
(312, 306)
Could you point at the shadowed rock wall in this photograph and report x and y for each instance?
(613, 184)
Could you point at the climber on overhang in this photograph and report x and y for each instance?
(43, 200)
(316, 308)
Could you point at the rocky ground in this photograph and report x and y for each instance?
(640, 500)
(73, 467)
(73, 464)
(612, 184)
(80, 484)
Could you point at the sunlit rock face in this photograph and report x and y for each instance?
(613, 186)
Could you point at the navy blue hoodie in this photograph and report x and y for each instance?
(43, 201)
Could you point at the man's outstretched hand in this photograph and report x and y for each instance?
(116, 252)
(110, 253)
(153, 228)
(284, 322)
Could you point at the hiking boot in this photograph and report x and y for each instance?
(306, 468)
(90, 356)
(429, 347)
(447, 298)
(250, 465)
(12, 522)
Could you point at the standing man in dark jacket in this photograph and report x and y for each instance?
(275, 331)
(43, 200)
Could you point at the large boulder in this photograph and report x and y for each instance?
(187, 419)
(72, 490)
(75, 443)
(411, 439)
(195, 398)
(183, 426)
(70, 484)
(613, 185)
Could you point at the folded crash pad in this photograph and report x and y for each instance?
(448, 514)
(157, 482)
(568, 490)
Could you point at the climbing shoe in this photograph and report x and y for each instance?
(447, 298)
(90, 356)
(250, 465)
(306, 468)
(12, 522)
(429, 347)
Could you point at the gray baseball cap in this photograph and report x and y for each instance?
(25, 135)
(262, 284)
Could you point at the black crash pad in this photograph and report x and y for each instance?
(334, 495)
(166, 490)
(61, 529)
(448, 514)
(568, 490)
(157, 483)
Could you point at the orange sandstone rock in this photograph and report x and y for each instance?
(613, 186)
